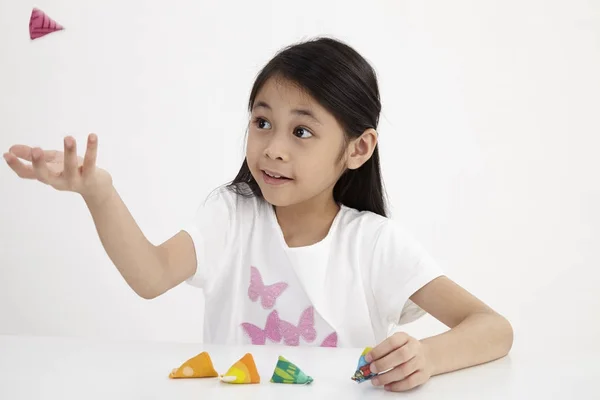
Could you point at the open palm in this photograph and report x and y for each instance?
(63, 170)
(54, 159)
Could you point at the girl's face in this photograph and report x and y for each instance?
(295, 148)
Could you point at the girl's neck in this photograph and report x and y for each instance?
(306, 223)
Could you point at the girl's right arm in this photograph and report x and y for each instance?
(148, 269)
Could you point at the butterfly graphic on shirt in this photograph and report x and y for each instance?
(306, 329)
(330, 341)
(271, 331)
(268, 294)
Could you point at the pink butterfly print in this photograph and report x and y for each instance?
(271, 331)
(305, 329)
(268, 294)
(40, 24)
(330, 341)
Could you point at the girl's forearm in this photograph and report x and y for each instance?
(480, 338)
(138, 260)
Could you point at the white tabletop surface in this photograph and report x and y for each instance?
(67, 368)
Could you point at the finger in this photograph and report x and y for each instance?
(24, 152)
(70, 168)
(89, 161)
(394, 359)
(390, 344)
(410, 382)
(42, 173)
(398, 373)
(21, 151)
(22, 170)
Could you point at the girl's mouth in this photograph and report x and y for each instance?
(273, 178)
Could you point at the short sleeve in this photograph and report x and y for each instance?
(401, 267)
(211, 230)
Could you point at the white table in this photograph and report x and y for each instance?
(67, 368)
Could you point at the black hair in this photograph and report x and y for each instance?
(345, 84)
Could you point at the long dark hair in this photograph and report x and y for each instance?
(345, 84)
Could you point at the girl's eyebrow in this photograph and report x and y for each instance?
(297, 111)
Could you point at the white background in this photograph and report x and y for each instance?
(489, 139)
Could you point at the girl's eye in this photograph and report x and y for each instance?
(302, 133)
(262, 123)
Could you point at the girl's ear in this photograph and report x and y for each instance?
(361, 149)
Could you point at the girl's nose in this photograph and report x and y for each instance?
(276, 148)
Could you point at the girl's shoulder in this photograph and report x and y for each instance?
(373, 228)
(238, 195)
(238, 202)
(367, 222)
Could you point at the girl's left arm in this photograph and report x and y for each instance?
(477, 335)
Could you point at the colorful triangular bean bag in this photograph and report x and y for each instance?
(200, 366)
(363, 370)
(243, 371)
(287, 372)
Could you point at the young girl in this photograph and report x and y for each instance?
(297, 249)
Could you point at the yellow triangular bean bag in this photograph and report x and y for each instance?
(243, 371)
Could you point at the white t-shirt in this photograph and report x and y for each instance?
(349, 290)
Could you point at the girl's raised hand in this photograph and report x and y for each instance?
(62, 170)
